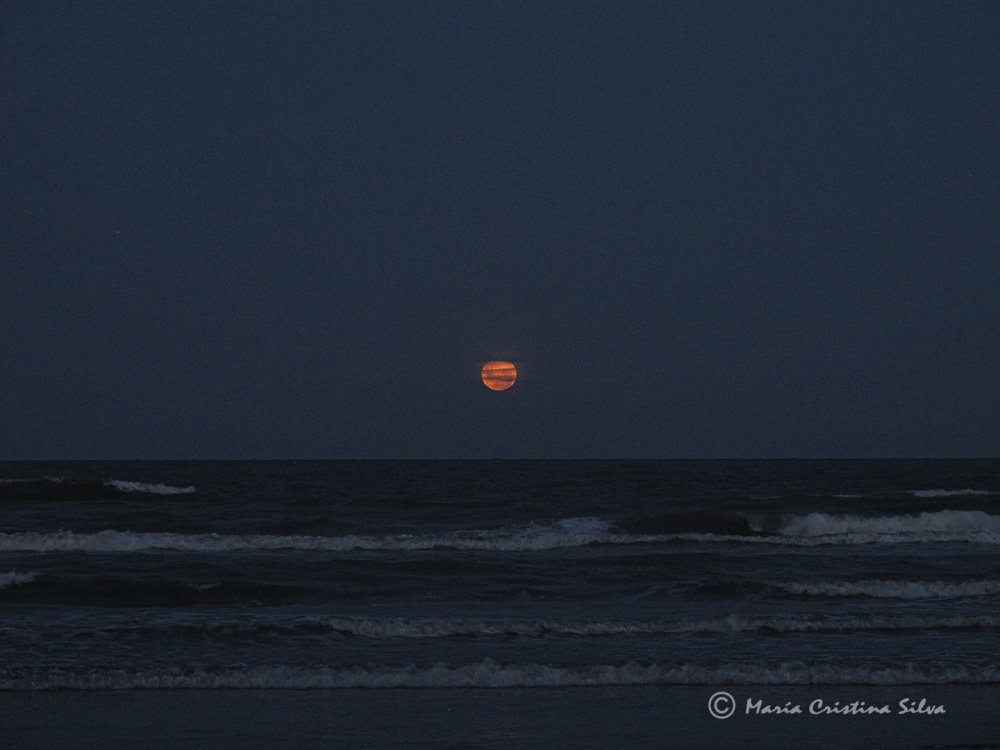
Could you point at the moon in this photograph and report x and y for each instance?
(499, 376)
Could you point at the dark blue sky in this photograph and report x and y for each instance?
(298, 229)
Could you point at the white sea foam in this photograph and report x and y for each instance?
(814, 529)
(822, 524)
(16, 579)
(403, 628)
(894, 589)
(119, 484)
(810, 530)
(505, 628)
(156, 489)
(949, 493)
(944, 525)
(490, 674)
(566, 533)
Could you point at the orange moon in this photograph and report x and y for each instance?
(499, 376)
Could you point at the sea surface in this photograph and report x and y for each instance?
(743, 576)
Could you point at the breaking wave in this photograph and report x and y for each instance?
(572, 532)
(809, 530)
(401, 628)
(940, 526)
(62, 488)
(156, 489)
(950, 493)
(829, 528)
(820, 528)
(729, 624)
(894, 589)
(16, 579)
(490, 674)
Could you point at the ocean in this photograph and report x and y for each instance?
(500, 603)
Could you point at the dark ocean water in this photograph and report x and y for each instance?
(503, 575)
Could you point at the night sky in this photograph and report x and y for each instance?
(298, 229)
